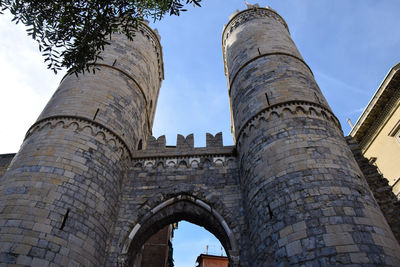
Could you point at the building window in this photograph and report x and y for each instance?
(395, 132)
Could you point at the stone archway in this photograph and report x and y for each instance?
(181, 207)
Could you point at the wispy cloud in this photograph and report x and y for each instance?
(356, 111)
(323, 78)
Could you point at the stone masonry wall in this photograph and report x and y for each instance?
(379, 185)
(42, 200)
(189, 164)
(60, 197)
(5, 160)
(160, 174)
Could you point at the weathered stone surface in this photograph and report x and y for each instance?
(5, 160)
(214, 141)
(387, 200)
(60, 197)
(194, 184)
(302, 190)
(90, 185)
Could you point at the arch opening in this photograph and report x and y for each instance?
(189, 241)
(173, 210)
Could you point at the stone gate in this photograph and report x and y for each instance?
(90, 185)
(199, 185)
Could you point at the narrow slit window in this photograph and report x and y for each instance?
(266, 96)
(270, 211)
(95, 115)
(64, 219)
(140, 145)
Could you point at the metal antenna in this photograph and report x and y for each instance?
(350, 123)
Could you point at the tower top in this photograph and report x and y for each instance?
(251, 6)
(239, 18)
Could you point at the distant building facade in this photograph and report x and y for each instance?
(378, 129)
(157, 251)
(206, 260)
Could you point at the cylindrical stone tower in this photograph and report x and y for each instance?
(59, 198)
(306, 201)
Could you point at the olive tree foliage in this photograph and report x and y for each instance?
(72, 33)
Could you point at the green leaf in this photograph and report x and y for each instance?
(71, 34)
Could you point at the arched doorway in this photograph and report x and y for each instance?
(181, 207)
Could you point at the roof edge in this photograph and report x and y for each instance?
(378, 93)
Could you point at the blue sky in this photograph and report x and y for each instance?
(349, 45)
(190, 241)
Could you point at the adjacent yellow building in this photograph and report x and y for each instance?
(378, 129)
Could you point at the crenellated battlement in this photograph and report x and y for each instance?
(239, 18)
(253, 12)
(157, 147)
(183, 142)
(156, 143)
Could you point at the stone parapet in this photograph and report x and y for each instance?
(287, 109)
(79, 123)
(157, 148)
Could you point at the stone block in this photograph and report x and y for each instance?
(185, 143)
(293, 248)
(338, 239)
(299, 226)
(36, 262)
(349, 211)
(285, 231)
(359, 258)
(347, 248)
(24, 260)
(214, 141)
(297, 235)
(156, 144)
